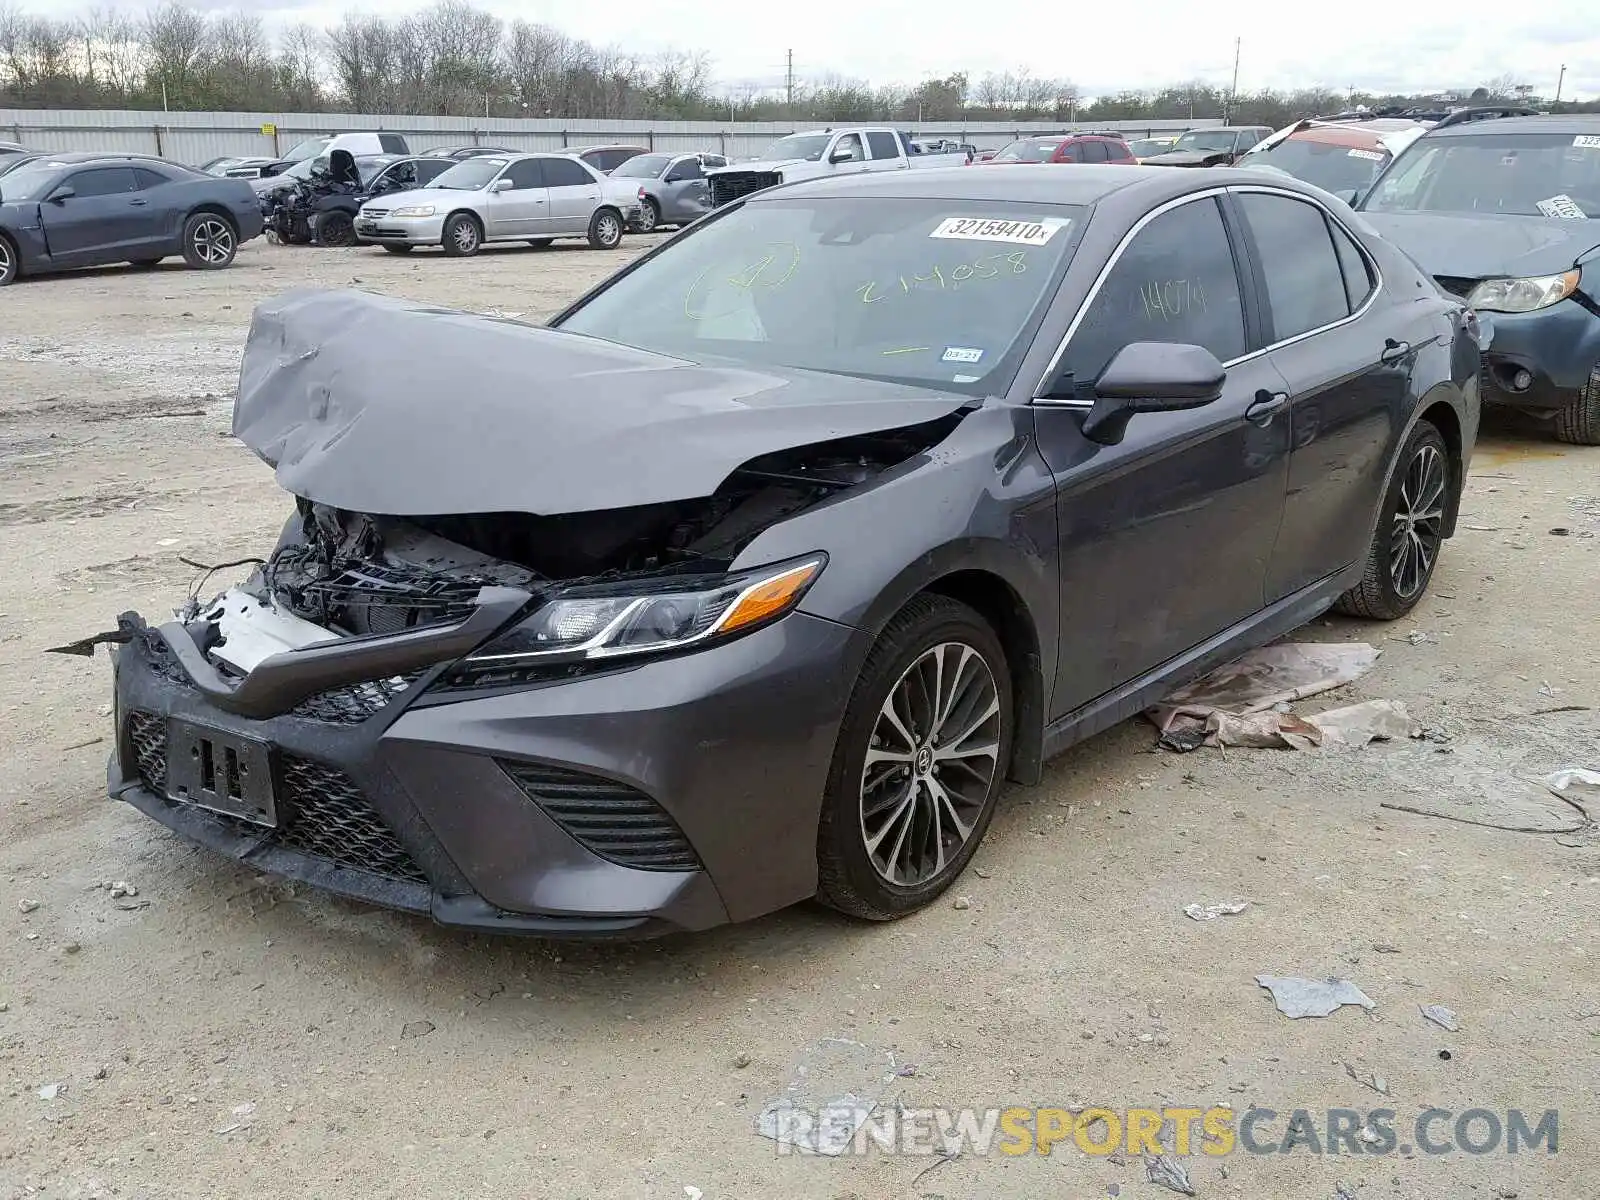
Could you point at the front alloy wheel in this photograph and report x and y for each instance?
(8, 261)
(605, 230)
(462, 237)
(1405, 547)
(919, 762)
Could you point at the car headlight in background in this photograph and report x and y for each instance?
(587, 623)
(1523, 295)
(413, 210)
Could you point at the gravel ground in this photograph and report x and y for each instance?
(219, 1034)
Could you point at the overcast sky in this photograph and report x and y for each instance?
(1406, 47)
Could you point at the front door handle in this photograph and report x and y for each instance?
(138, 203)
(1394, 351)
(1265, 406)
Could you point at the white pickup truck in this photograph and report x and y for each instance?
(822, 152)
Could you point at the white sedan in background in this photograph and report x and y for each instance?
(532, 198)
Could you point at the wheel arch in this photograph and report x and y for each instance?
(210, 208)
(1442, 415)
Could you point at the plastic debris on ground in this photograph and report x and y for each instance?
(835, 1087)
(51, 1090)
(1297, 997)
(1441, 1016)
(1210, 912)
(1167, 1171)
(1255, 683)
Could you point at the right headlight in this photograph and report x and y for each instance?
(582, 624)
(412, 210)
(1523, 295)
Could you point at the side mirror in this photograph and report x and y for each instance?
(1349, 195)
(1146, 377)
(62, 194)
(500, 185)
(841, 154)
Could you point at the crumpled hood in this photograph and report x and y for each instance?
(1186, 158)
(1480, 247)
(761, 164)
(383, 406)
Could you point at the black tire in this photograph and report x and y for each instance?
(1578, 423)
(8, 261)
(605, 229)
(541, 243)
(649, 216)
(393, 248)
(848, 878)
(336, 229)
(1410, 534)
(144, 264)
(462, 235)
(209, 241)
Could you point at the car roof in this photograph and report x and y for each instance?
(1054, 183)
(1573, 123)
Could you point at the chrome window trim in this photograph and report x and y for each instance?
(1210, 194)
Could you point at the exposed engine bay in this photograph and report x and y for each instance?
(336, 573)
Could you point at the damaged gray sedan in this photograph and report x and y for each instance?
(755, 576)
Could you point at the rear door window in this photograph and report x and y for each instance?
(1072, 152)
(565, 172)
(883, 144)
(1305, 283)
(1093, 152)
(1358, 283)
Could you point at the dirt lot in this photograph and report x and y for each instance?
(221, 1035)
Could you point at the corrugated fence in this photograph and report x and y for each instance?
(193, 137)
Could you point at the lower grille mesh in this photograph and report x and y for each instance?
(609, 819)
(321, 811)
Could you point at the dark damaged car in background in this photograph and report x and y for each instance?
(1505, 213)
(755, 576)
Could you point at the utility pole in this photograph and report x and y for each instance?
(1233, 92)
(1560, 79)
(789, 83)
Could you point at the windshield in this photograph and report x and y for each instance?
(642, 166)
(1521, 174)
(469, 174)
(936, 292)
(1206, 141)
(808, 146)
(1144, 147)
(1029, 150)
(30, 181)
(309, 148)
(1329, 167)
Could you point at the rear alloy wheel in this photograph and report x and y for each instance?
(1405, 547)
(8, 261)
(336, 229)
(649, 217)
(1579, 422)
(919, 763)
(462, 237)
(605, 229)
(208, 242)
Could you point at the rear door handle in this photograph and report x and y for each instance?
(1394, 351)
(1265, 406)
(138, 203)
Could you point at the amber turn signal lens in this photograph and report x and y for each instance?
(769, 597)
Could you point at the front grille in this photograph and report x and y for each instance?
(1456, 285)
(353, 704)
(374, 212)
(148, 733)
(321, 812)
(726, 188)
(610, 819)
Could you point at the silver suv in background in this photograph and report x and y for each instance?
(672, 187)
(533, 198)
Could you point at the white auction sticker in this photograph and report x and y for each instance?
(1587, 141)
(962, 354)
(1562, 206)
(1373, 155)
(986, 229)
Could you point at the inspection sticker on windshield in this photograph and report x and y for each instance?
(962, 354)
(1562, 206)
(984, 229)
(1587, 141)
(1368, 154)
